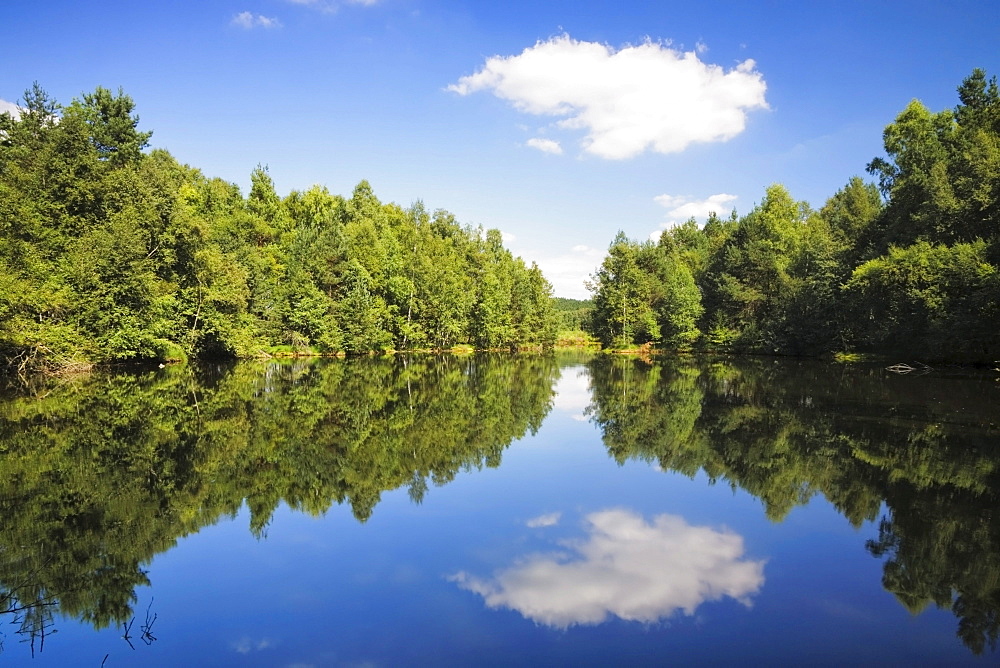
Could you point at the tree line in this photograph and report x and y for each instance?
(111, 252)
(906, 265)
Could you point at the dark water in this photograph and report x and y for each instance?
(502, 510)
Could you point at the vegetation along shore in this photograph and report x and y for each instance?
(111, 252)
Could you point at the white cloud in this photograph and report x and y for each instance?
(245, 645)
(10, 108)
(248, 21)
(568, 271)
(626, 568)
(682, 208)
(545, 145)
(638, 98)
(331, 6)
(549, 520)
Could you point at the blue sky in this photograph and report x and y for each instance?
(559, 123)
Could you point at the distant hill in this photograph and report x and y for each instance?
(572, 314)
(566, 304)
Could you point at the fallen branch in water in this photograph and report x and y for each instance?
(906, 368)
(147, 628)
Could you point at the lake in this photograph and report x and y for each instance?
(498, 510)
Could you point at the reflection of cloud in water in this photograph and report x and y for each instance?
(626, 568)
(549, 520)
(245, 645)
(573, 392)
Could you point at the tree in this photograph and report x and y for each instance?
(623, 314)
(927, 300)
(112, 125)
(749, 282)
(109, 253)
(674, 296)
(922, 202)
(850, 214)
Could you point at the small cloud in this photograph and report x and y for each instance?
(249, 21)
(507, 237)
(332, 6)
(682, 208)
(9, 108)
(567, 272)
(646, 97)
(701, 47)
(545, 145)
(245, 645)
(549, 520)
(626, 568)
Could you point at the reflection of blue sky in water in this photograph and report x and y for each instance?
(627, 568)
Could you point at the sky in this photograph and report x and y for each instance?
(559, 123)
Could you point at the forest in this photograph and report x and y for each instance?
(905, 265)
(110, 252)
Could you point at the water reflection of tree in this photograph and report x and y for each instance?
(784, 432)
(945, 549)
(29, 610)
(101, 473)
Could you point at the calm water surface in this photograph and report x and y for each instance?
(501, 510)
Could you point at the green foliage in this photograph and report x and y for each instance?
(112, 126)
(106, 470)
(924, 299)
(918, 453)
(572, 313)
(749, 280)
(108, 253)
(849, 216)
(643, 293)
(914, 274)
